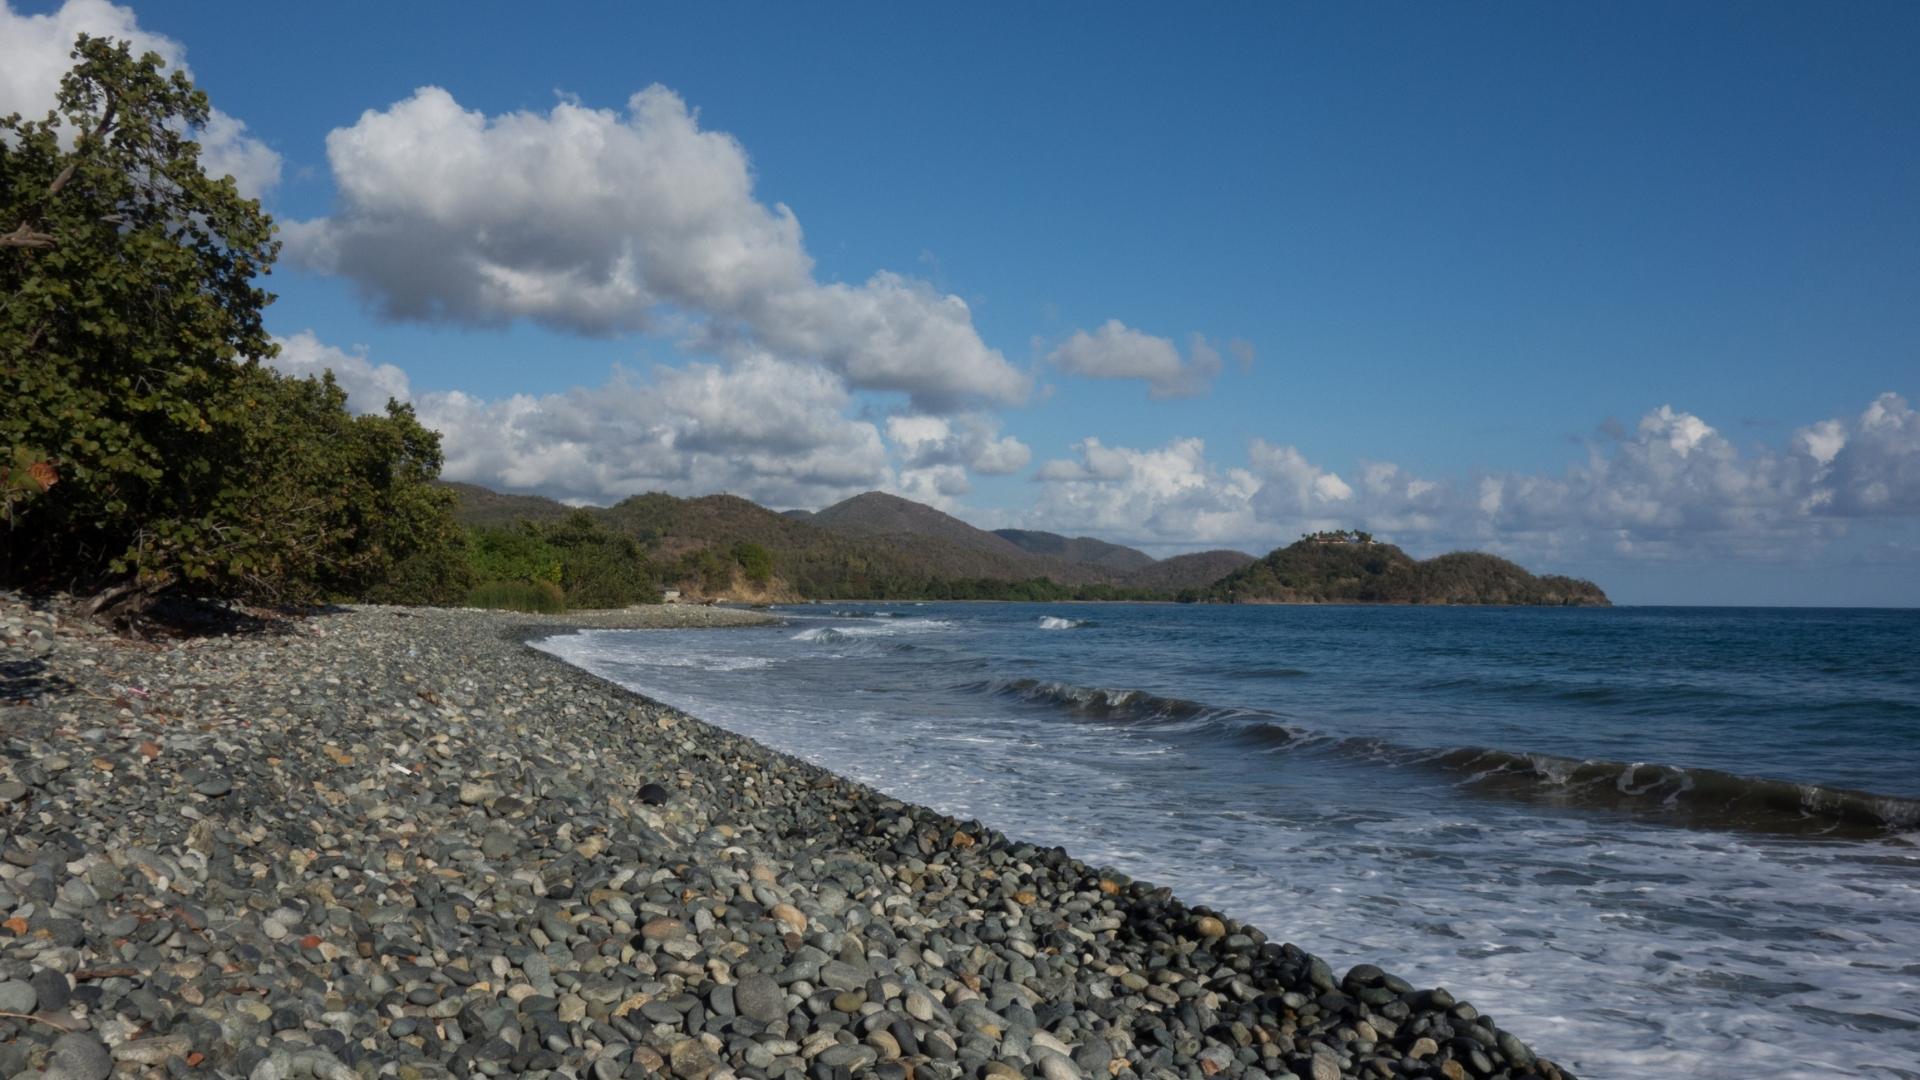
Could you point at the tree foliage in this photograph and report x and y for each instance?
(130, 349)
(582, 562)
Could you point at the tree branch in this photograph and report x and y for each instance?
(26, 236)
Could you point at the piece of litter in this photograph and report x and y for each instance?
(397, 767)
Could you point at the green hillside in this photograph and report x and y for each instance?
(1342, 568)
(1084, 550)
(882, 547)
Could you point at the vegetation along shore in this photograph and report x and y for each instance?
(387, 841)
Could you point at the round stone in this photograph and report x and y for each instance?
(758, 997)
(78, 1055)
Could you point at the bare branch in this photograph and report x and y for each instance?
(26, 236)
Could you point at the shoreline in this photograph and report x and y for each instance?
(427, 847)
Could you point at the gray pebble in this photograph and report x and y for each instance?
(18, 997)
(79, 1055)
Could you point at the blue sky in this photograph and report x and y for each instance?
(1627, 291)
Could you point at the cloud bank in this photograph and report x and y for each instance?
(36, 52)
(779, 432)
(1671, 487)
(598, 222)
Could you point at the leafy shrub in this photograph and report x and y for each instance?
(755, 561)
(517, 552)
(538, 596)
(600, 568)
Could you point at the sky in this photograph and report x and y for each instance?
(1626, 291)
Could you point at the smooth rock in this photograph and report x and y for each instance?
(78, 1055)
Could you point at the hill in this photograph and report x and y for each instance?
(1338, 569)
(951, 548)
(1083, 550)
(1184, 572)
(481, 506)
(882, 547)
(879, 514)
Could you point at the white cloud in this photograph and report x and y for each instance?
(768, 429)
(936, 485)
(1159, 497)
(599, 222)
(764, 428)
(1671, 486)
(1117, 351)
(970, 440)
(36, 52)
(1873, 469)
(937, 453)
(368, 385)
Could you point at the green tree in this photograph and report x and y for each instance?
(130, 349)
(755, 561)
(600, 568)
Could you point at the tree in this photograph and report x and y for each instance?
(130, 349)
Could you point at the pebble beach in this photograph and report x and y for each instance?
(399, 842)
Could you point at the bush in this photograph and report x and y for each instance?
(517, 552)
(600, 568)
(537, 596)
(755, 561)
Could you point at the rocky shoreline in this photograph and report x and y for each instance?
(398, 842)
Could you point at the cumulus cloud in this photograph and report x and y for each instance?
(937, 453)
(764, 428)
(36, 51)
(970, 440)
(1870, 468)
(368, 385)
(1170, 495)
(1118, 351)
(599, 222)
(1672, 485)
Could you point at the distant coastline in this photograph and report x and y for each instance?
(883, 548)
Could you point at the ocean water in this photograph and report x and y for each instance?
(1653, 842)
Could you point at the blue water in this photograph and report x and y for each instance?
(1653, 841)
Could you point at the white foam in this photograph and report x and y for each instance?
(711, 663)
(1618, 949)
(890, 629)
(1054, 622)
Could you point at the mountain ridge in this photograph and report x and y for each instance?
(880, 546)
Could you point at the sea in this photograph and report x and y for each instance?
(1650, 841)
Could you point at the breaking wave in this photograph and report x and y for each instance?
(1054, 622)
(1669, 794)
(830, 634)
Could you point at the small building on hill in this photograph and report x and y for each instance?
(1339, 536)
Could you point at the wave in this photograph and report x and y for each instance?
(829, 634)
(1099, 703)
(1054, 622)
(1670, 794)
(1697, 797)
(710, 663)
